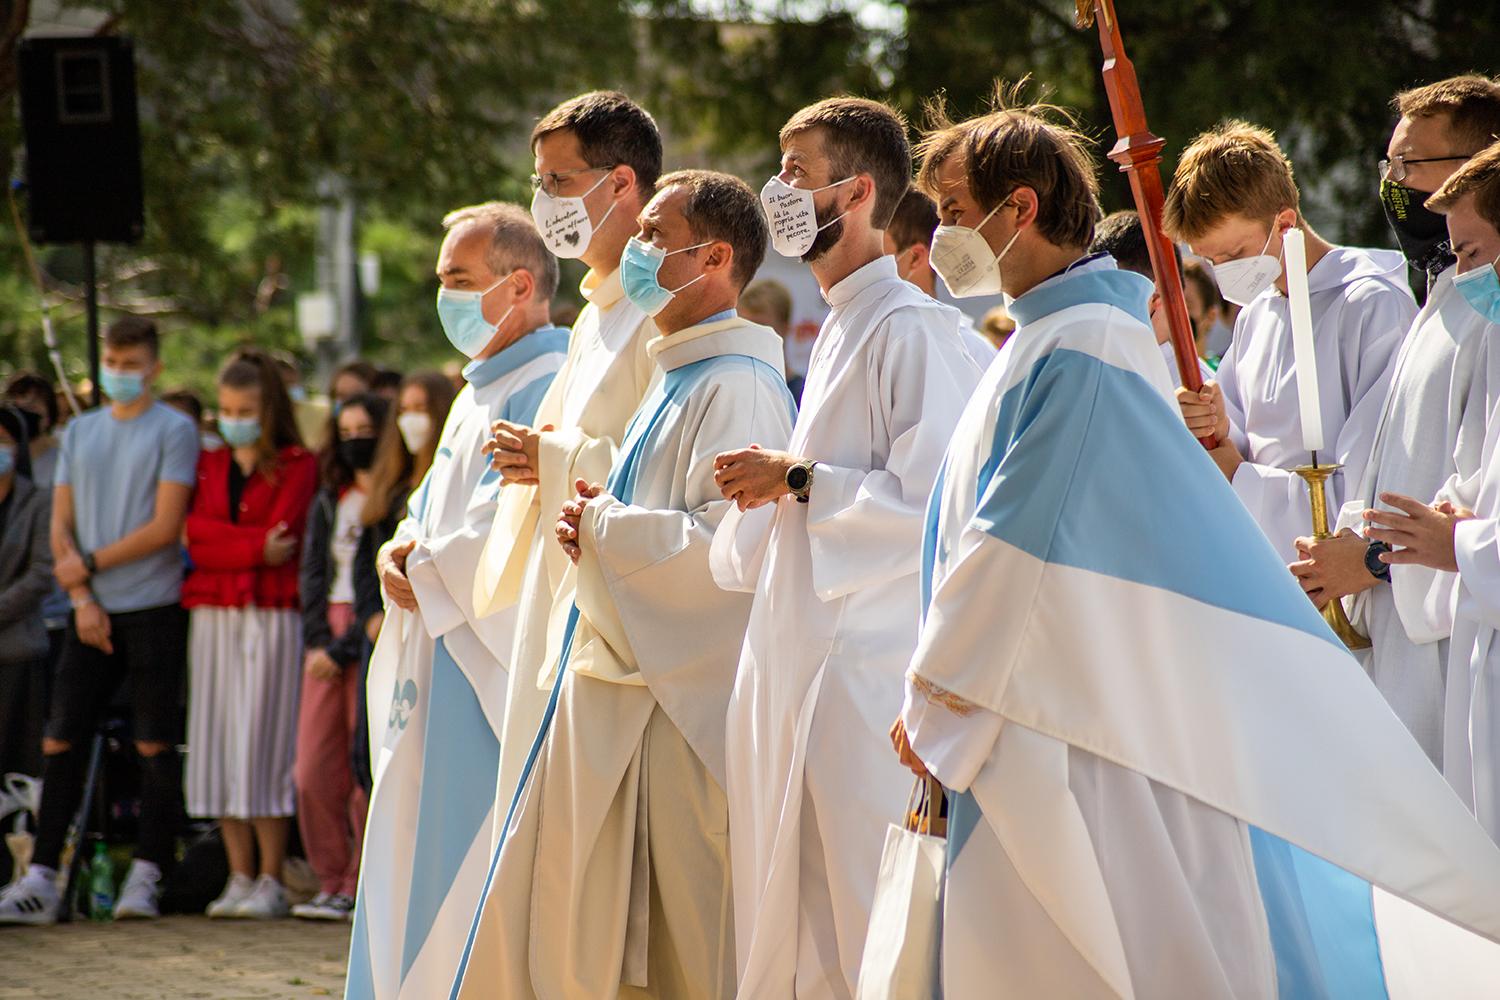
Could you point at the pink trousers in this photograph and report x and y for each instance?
(331, 806)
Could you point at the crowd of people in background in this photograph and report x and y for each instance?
(207, 573)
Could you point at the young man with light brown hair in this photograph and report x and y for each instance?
(826, 537)
(1434, 419)
(119, 501)
(1232, 200)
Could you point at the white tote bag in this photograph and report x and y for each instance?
(901, 947)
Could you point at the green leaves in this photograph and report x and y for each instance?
(420, 106)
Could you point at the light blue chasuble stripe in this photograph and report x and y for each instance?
(1079, 432)
(1322, 924)
(460, 754)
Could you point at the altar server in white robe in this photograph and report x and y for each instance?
(1232, 200)
(1168, 778)
(613, 874)
(1433, 424)
(830, 552)
(597, 157)
(436, 685)
(1460, 532)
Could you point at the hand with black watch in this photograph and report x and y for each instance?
(799, 480)
(1379, 570)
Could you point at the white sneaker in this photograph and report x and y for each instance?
(312, 909)
(31, 899)
(25, 790)
(326, 906)
(267, 901)
(140, 892)
(236, 890)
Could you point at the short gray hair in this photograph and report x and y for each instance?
(514, 242)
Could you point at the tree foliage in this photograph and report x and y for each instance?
(249, 107)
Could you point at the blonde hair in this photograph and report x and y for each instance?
(1479, 177)
(1235, 168)
(1018, 145)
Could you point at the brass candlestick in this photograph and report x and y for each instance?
(1316, 476)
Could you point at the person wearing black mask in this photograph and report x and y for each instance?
(32, 395)
(330, 804)
(1442, 125)
(1433, 424)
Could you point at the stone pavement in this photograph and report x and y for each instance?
(176, 958)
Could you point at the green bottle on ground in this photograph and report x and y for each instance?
(101, 884)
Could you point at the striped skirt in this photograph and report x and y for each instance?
(246, 669)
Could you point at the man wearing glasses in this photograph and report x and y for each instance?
(598, 156)
(1433, 424)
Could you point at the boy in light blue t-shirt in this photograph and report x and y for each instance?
(120, 497)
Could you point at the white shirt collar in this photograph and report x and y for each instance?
(879, 269)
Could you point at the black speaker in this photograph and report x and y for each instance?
(83, 141)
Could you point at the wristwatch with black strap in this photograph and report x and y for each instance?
(1379, 570)
(89, 563)
(799, 480)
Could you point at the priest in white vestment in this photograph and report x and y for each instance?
(1431, 429)
(436, 686)
(830, 552)
(1168, 778)
(597, 157)
(1232, 200)
(613, 874)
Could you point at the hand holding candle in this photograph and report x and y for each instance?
(1294, 260)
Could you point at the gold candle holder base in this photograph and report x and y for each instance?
(1316, 477)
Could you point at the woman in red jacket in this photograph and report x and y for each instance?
(246, 640)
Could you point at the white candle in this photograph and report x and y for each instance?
(1294, 259)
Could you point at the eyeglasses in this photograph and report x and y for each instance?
(1394, 169)
(549, 181)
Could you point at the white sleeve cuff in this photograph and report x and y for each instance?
(954, 747)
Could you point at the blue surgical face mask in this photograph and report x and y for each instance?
(122, 386)
(7, 459)
(638, 267)
(1481, 289)
(462, 316)
(239, 432)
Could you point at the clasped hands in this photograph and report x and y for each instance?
(571, 514)
(512, 448)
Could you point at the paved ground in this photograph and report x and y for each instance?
(177, 958)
